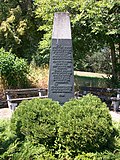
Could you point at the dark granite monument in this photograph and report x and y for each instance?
(61, 75)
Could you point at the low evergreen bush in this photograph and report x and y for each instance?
(106, 155)
(84, 125)
(36, 120)
(6, 136)
(26, 150)
(80, 129)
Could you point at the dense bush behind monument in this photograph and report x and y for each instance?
(13, 70)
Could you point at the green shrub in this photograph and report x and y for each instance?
(3, 128)
(12, 148)
(80, 129)
(84, 125)
(6, 137)
(107, 155)
(26, 150)
(13, 70)
(36, 120)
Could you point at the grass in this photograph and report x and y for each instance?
(89, 81)
(1, 85)
(38, 78)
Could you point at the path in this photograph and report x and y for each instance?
(5, 113)
(90, 74)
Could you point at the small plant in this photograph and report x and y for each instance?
(36, 120)
(6, 136)
(107, 155)
(84, 125)
(80, 129)
(13, 70)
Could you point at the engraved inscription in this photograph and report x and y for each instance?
(60, 52)
(62, 69)
(62, 89)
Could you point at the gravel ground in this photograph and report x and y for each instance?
(115, 116)
(5, 113)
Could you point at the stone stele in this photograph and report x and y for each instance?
(61, 72)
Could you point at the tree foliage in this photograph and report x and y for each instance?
(13, 70)
(18, 27)
(95, 25)
(26, 28)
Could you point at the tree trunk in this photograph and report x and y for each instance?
(119, 60)
(114, 62)
(25, 5)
